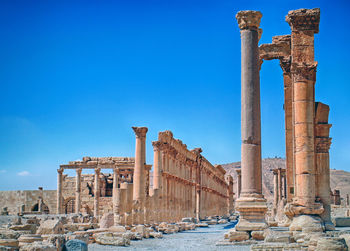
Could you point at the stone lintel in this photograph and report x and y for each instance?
(248, 19)
(275, 171)
(277, 50)
(140, 132)
(304, 19)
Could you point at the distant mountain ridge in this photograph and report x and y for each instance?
(339, 179)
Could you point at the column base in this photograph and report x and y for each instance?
(252, 212)
(307, 223)
(294, 208)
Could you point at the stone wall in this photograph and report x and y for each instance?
(13, 200)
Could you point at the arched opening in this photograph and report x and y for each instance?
(69, 206)
(35, 208)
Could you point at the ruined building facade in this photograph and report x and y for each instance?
(183, 184)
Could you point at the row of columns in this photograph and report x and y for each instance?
(279, 187)
(184, 185)
(77, 206)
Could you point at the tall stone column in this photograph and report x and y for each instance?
(279, 180)
(139, 173)
(157, 168)
(97, 192)
(229, 193)
(78, 191)
(59, 191)
(116, 193)
(275, 191)
(323, 143)
(251, 204)
(288, 115)
(239, 183)
(304, 23)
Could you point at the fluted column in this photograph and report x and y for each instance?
(97, 192)
(139, 173)
(251, 204)
(59, 191)
(78, 191)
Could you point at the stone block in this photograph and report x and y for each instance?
(109, 239)
(258, 235)
(9, 242)
(24, 227)
(51, 227)
(331, 243)
(306, 223)
(234, 235)
(341, 221)
(38, 246)
(156, 235)
(222, 221)
(118, 229)
(8, 234)
(76, 245)
(107, 220)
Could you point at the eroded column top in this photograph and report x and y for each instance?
(304, 19)
(248, 19)
(140, 131)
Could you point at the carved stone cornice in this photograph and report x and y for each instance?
(248, 19)
(140, 132)
(304, 19)
(302, 72)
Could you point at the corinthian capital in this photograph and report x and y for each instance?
(140, 132)
(304, 19)
(248, 19)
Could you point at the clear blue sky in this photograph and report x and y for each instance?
(76, 75)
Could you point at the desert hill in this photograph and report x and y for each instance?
(339, 179)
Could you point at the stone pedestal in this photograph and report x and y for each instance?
(251, 203)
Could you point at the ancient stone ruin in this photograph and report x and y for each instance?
(122, 199)
(185, 184)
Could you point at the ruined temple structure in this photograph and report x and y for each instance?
(184, 184)
(307, 186)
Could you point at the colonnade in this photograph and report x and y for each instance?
(185, 184)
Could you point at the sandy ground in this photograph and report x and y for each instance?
(199, 239)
